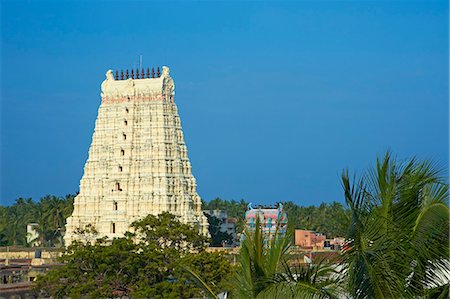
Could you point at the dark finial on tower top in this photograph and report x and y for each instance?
(137, 73)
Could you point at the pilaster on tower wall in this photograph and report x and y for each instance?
(137, 163)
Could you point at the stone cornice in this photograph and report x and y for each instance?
(149, 88)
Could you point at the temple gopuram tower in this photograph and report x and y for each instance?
(138, 163)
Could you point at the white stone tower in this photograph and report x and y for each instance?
(138, 163)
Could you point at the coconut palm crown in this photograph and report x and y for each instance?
(398, 236)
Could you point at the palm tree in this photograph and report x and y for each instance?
(52, 218)
(43, 228)
(265, 270)
(398, 234)
(68, 204)
(14, 229)
(259, 261)
(316, 281)
(54, 208)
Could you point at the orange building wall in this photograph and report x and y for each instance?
(306, 238)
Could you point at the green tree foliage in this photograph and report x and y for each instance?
(211, 266)
(148, 263)
(50, 213)
(235, 209)
(399, 230)
(17, 217)
(259, 261)
(165, 231)
(218, 237)
(331, 219)
(264, 270)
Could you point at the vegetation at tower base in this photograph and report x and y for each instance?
(235, 209)
(266, 269)
(398, 247)
(399, 242)
(217, 236)
(145, 264)
(49, 213)
(331, 219)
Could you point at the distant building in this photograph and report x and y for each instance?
(228, 225)
(32, 234)
(334, 244)
(309, 239)
(269, 217)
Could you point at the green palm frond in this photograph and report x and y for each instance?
(319, 280)
(399, 228)
(265, 270)
(200, 282)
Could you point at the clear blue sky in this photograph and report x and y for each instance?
(275, 98)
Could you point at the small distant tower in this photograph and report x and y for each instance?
(138, 163)
(272, 219)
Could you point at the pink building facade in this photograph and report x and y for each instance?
(272, 219)
(309, 239)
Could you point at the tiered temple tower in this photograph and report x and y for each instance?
(138, 163)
